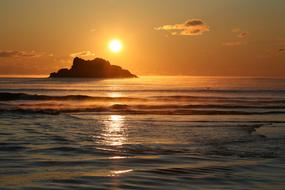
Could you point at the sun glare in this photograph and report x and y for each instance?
(115, 46)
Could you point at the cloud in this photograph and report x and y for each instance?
(242, 35)
(192, 27)
(19, 54)
(235, 30)
(93, 30)
(232, 44)
(272, 52)
(82, 54)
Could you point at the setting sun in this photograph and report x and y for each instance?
(115, 45)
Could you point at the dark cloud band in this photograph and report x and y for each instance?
(20, 54)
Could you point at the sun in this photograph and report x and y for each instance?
(115, 46)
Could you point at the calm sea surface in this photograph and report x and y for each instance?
(145, 133)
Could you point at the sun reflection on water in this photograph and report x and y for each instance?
(114, 132)
(115, 94)
(119, 172)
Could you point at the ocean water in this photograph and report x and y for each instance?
(146, 133)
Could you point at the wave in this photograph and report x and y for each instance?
(150, 90)
(201, 106)
(158, 105)
(7, 96)
(222, 98)
(22, 96)
(127, 110)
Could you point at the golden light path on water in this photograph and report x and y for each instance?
(114, 132)
(115, 135)
(115, 94)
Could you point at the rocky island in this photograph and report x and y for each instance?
(96, 68)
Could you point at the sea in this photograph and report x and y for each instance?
(151, 132)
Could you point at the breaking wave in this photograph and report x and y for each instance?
(156, 105)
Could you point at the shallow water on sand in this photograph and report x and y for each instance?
(146, 133)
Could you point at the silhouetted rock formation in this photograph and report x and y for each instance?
(96, 68)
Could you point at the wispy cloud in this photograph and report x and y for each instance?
(239, 34)
(82, 54)
(243, 35)
(235, 30)
(20, 54)
(271, 52)
(191, 27)
(234, 43)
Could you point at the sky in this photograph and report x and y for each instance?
(161, 37)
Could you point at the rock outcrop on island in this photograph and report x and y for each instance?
(96, 68)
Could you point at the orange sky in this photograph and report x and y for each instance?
(162, 37)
